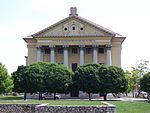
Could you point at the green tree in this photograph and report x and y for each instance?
(41, 77)
(86, 78)
(29, 79)
(111, 80)
(6, 83)
(21, 80)
(135, 80)
(57, 78)
(145, 83)
(142, 67)
(131, 85)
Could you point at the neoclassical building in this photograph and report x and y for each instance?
(75, 41)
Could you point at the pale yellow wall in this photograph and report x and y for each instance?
(102, 58)
(32, 50)
(73, 58)
(116, 52)
(116, 56)
(88, 58)
(59, 58)
(46, 57)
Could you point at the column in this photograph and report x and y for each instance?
(108, 55)
(81, 54)
(95, 54)
(52, 53)
(38, 54)
(66, 55)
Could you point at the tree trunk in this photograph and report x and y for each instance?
(89, 96)
(105, 96)
(133, 94)
(25, 95)
(39, 96)
(54, 96)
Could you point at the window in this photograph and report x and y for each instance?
(47, 51)
(65, 29)
(74, 66)
(88, 50)
(74, 50)
(101, 50)
(60, 50)
(73, 28)
(81, 28)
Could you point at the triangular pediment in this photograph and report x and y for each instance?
(74, 26)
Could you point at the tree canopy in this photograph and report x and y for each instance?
(92, 78)
(57, 78)
(86, 78)
(111, 80)
(145, 83)
(6, 83)
(42, 77)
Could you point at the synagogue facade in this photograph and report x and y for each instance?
(75, 41)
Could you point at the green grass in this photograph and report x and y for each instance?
(75, 103)
(131, 107)
(11, 98)
(122, 106)
(19, 100)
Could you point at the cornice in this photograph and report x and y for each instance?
(60, 36)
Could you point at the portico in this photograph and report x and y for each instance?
(67, 52)
(75, 41)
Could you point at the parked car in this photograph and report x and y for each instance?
(143, 94)
(49, 96)
(117, 95)
(148, 97)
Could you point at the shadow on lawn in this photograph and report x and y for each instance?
(11, 98)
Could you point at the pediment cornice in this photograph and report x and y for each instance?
(80, 20)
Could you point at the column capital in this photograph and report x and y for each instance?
(65, 46)
(38, 46)
(95, 45)
(81, 46)
(51, 46)
(108, 46)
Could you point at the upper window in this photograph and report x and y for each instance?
(74, 50)
(47, 51)
(101, 50)
(88, 50)
(60, 50)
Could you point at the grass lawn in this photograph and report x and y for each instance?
(122, 106)
(19, 100)
(131, 107)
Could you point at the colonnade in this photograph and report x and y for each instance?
(65, 53)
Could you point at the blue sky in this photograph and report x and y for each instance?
(20, 18)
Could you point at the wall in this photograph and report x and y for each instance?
(31, 108)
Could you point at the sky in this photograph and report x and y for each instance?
(20, 18)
